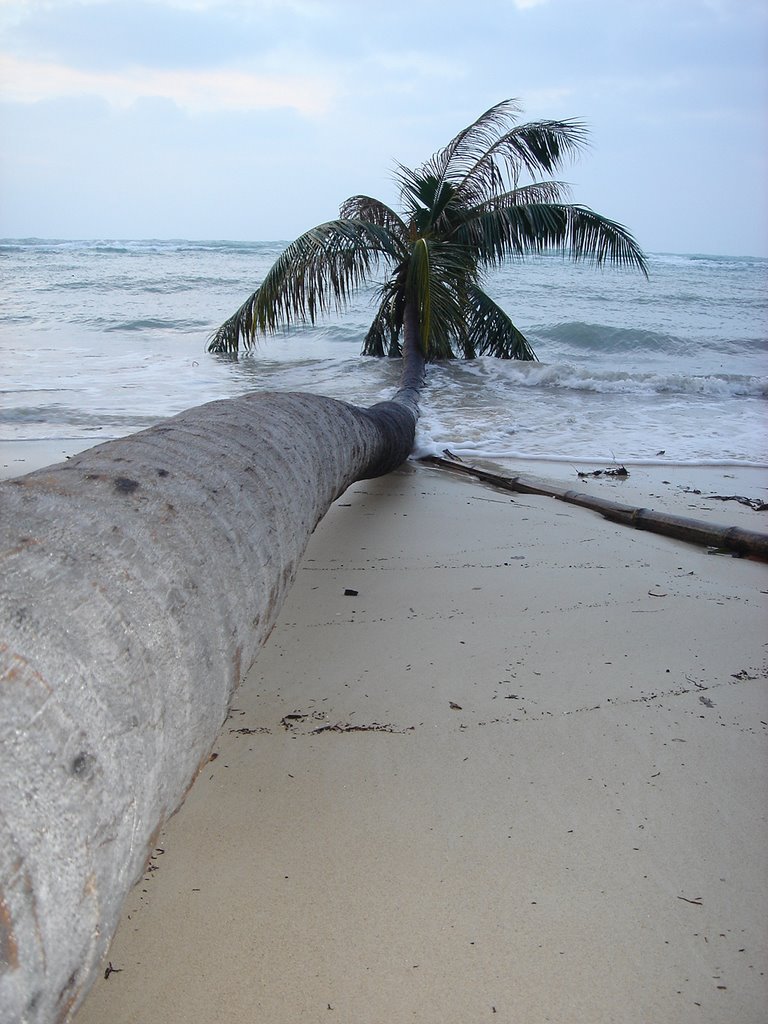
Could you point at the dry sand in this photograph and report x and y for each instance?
(518, 776)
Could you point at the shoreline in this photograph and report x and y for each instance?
(513, 775)
(673, 484)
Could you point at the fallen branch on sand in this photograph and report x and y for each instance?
(729, 538)
(754, 503)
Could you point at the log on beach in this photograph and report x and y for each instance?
(139, 581)
(736, 539)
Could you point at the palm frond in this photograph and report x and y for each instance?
(547, 191)
(536, 148)
(535, 228)
(316, 273)
(366, 208)
(419, 286)
(226, 339)
(439, 275)
(475, 138)
(489, 330)
(524, 195)
(428, 189)
(425, 197)
(490, 155)
(382, 338)
(589, 237)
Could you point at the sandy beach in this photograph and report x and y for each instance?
(500, 760)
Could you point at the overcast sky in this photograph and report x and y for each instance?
(254, 119)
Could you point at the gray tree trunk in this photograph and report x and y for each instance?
(139, 580)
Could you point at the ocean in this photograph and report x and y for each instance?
(103, 338)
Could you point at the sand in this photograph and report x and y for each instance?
(518, 775)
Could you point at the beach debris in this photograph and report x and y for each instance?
(657, 592)
(454, 706)
(288, 721)
(706, 702)
(111, 970)
(753, 503)
(696, 901)
(757, 504)
(348, 727)
(350, 593)
(620, 471)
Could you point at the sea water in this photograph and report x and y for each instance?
(102, 338)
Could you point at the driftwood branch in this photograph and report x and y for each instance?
(729, 538)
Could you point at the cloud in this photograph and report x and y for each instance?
(25, 81)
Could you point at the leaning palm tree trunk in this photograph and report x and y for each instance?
(139, 580)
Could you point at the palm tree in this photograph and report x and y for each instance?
(126, 621)
(465, 211)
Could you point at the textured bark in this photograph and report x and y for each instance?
(139, 580)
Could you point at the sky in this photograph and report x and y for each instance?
(254, 119)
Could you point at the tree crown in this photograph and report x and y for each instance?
(464, 211)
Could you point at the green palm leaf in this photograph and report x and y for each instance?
(433, 283)
(490, 155)
(489, 331)
(516, 231)
(382, 338)
(314, 274)
(372, 211)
